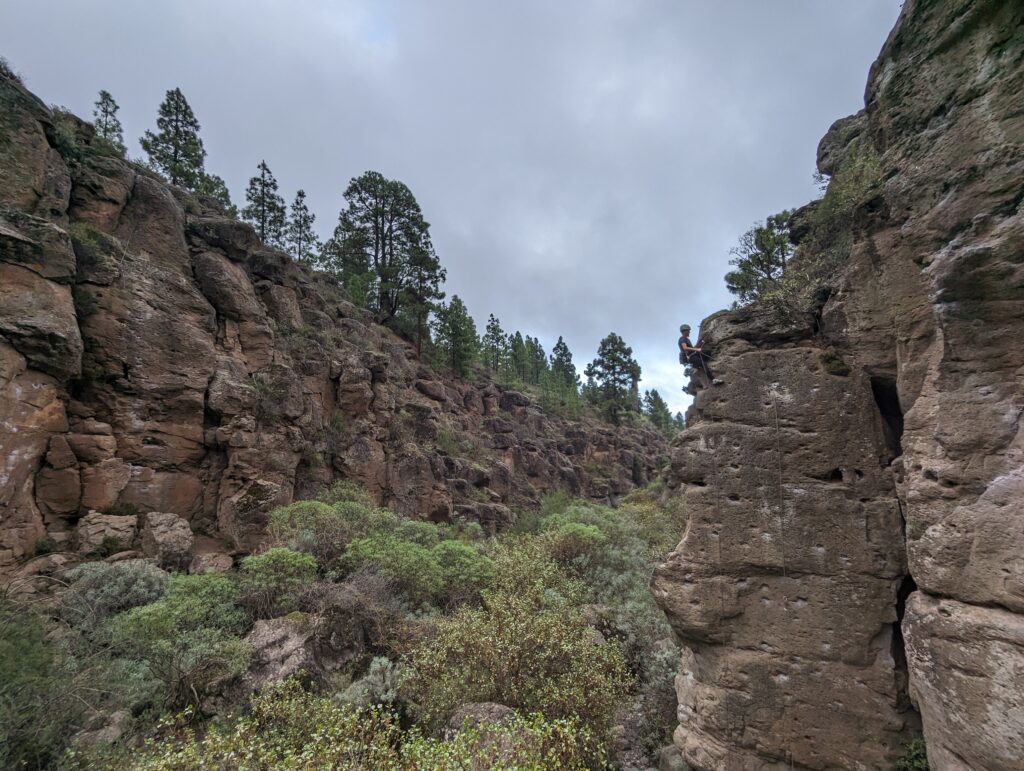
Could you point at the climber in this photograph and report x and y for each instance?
(694, 356)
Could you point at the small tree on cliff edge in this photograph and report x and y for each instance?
(265, 208)
(381, 247)
(301, 240)
(455, 336)
(494, 344)
(176, 150)
(760, 259)
(614, 375)
(108, 126)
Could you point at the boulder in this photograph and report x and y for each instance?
(166, 538)
(281, 648)
(95, 528)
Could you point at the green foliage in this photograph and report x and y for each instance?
(764, 269)
(7, 71)
(915, 758)
(265, 209)
(345, 492)
(656, 409)
(494, 344)
(760, 259)
(287, 728)
(105, 120)
(412, 569)
(300, 239)
(452, 444)
(97, 591)
(531, 743)
(36, 714)
(272, 583)
(212, 186)
(455, 336)
(45, 545)
(187, 638)
(381, 250)
(464, 572)
(378, 686)
(528, 648)
(176, 150)
(109, 546)
(613, 377)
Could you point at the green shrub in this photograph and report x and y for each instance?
(345, 492)
(915, 758)
(412, 569)
(325, 529)
(424, 533)
(287, 728)
(523, 743)
(36, 713)
(99, 590)
(187, 638)
(528, 648)
(465, 572)
(45, 545)
(378, 686)
(272, 584)
(7, 71)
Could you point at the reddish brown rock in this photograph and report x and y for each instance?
(95, 528)
(167, 539)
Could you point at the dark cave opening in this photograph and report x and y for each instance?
(887, 399)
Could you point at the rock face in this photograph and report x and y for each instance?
(155, 357)
(855, 488)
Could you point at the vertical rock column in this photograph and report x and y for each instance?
(785, 586)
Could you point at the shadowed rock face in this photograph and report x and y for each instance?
(155, 357)
(874, 450)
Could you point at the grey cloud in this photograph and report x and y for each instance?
(586, 165)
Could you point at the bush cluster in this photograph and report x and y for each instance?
(553, 620)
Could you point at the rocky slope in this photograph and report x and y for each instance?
(155, 357)
(855, 488)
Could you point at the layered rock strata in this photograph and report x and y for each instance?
(156, 357)
(856, 487)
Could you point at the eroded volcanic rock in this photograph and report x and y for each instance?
(155, 357)
(855, 488)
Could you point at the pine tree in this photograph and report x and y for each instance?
(518, 357)
(537, 360)
(679, 421)
(615, 374)
(494, 344)
(212, 186)
(380, 233)
(176, 150)
(265, 208)
(455, 336)
(108, 126)
(657, 410)
(421, 292)
(562, 365)
(302, 242)
(760, 259)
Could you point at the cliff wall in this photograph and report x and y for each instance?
(855, 487)
(156, 357)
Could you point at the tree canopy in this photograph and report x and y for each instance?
(265, 208)
(760, 258)
(381, 250)
(176, 150)
(108, 125)
(613, 377)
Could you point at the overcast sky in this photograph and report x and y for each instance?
(586, 165)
